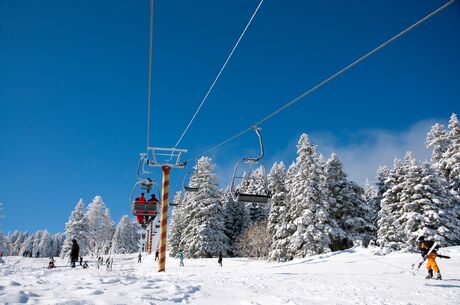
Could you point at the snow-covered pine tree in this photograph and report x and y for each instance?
(177, 224)
(452, 155)
(12, 238)
(372, 198)
(17, 246)
(348, 207)
(37, 237)
(389, 233)
(309, 206)
(27, 245)
(438, 140)
(106, 231)
(56, 243)
(257, 185)
(427, 206)
(44, 246)
(98, 236)
(236, 219)
(276, 226)
(125, 239)
(76, 228)
(204, 234)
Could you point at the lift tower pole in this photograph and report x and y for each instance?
(164, 219)
(166, 158)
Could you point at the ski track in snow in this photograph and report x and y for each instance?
(348, 277)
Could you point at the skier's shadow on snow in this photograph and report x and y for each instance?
(447, 285)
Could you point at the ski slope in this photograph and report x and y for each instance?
(350, 277)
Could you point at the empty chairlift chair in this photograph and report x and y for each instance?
(242, 196)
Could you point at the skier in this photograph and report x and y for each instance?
(140, 200)
(51, 263)
(425, 246)
(219, 260)
(81, 261)
(139, 258)
(37, 255)
(156, 254)
(75, 250)
(181, 257)
(152, 200)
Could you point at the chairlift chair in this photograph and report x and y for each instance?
(188, 187)
(240, 196)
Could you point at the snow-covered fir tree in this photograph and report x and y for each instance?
(100, 226)
(44, 247)
(427, 207)
(177, 224)
(204, 234)
(277, 223)
(371, 196)
(236, 219)
(452, 155)
(438, 140)
(348, 207)
(125, 239)
(76, 228)
(389, 233)
(309, 207)
(257, 185)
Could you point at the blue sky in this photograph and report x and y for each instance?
(73, 89)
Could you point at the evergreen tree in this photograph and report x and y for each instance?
(76, 228)
(277, 223)
(438, 140)
(98, 236)
(389, 232)
(372, 198)
(177, 224)
(106, 232)
(452, 155)
(309, 207)
(236, 219)
(348, 207)
(45, 244)
(427, 207)
(125, 239)
(204, 232)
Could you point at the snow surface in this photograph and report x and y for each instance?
(349, 277)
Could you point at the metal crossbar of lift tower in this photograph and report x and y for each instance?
(160, 156)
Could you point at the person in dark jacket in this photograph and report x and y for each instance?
(219, 260)
(74, 253)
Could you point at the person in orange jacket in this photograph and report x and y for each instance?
(140, 200)
(425, 246)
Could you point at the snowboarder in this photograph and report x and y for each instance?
(219, 260)
(425, 246)
(75, 250)
(181, 257)
(156, 254)
(139, 258)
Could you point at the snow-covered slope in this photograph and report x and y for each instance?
(349, 277)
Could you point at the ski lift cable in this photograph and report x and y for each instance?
(219, 74)
(150, 74)
(327, 80)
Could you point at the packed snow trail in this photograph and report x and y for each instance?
(349, 277)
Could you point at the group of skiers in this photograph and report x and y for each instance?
(28, 253)
(144, 220)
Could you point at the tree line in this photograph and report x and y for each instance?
(316, 209)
